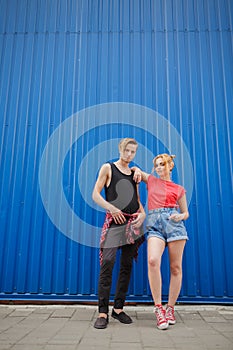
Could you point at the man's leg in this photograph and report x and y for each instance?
(105, 278)
(126, 262)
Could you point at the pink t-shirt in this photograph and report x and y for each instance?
(162, 193)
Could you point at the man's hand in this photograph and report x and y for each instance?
(118, 216)
(138, 221)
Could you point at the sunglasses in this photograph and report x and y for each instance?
(160, 164)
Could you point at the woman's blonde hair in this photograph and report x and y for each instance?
(167, 158)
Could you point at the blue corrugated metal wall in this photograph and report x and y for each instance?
(75, 77)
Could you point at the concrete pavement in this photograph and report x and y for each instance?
(70, 327)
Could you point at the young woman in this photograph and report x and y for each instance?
(167, 208)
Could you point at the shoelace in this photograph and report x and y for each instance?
(170, 312)
(160, 314)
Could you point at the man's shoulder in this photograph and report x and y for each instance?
(105, 168)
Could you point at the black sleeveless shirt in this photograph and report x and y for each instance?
(122, 192)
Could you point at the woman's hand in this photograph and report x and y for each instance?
(177, 217)
(137, 175)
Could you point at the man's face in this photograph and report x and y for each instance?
(128, 154)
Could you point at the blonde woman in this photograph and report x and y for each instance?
(167, 208)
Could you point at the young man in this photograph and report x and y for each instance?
(121, 229)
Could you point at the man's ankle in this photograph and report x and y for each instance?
(117, 311)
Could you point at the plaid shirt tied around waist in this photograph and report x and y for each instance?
(133, 236)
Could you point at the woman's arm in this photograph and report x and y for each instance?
(139, 175)
(183, 207)
(184, 214)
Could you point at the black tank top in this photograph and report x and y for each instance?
(122, 192)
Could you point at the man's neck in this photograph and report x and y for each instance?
(122, 164)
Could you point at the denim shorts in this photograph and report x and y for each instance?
(159, 225)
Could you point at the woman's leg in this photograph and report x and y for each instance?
(155, 249)
(175, 250)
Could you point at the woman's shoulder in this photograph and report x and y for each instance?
(152, 178)
(179, 187)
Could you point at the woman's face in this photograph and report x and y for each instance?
(162, 167)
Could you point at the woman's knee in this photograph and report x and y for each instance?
(154, 262)
(175, 269)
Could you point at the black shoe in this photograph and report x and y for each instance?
(122, 317)
(101, 322)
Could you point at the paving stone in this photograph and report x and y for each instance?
(92, 347)
(21, 312)
(8, 322)
(214, 319)
(217, 341)
(186, 346)
(60, 347)
(228, 317)
(5, 345)
(123, 345)
(95, 342)
(43, 310)
(223, 327)
(190, 316)
(27, 347)
(5, 311)
(61, 313)
(83, 314)
(126, 334)
(145, 316)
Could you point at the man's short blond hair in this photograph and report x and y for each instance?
(124, 143)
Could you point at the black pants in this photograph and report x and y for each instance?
(105, 278)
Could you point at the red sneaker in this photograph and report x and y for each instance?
(161, 317)
(170, 315)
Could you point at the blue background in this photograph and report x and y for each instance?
(58, 57)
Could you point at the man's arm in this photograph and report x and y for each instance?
(141, 215)
(102, 180)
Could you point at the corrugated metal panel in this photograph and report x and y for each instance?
(60, 57)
